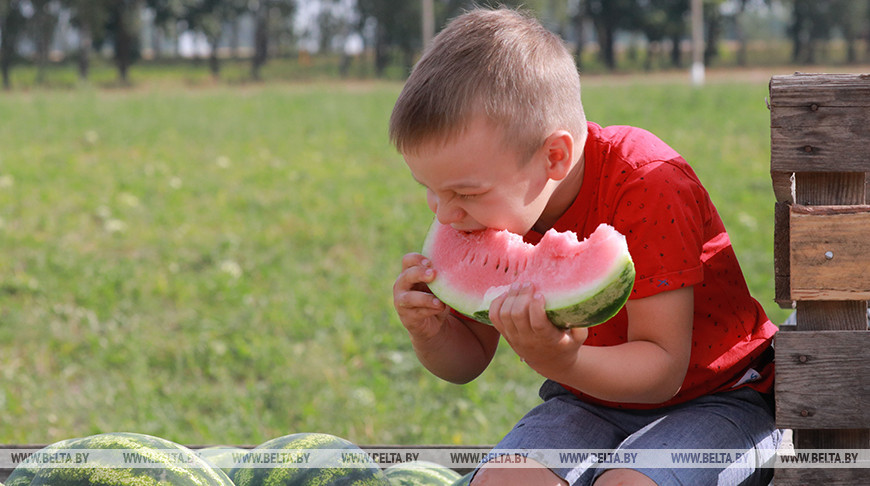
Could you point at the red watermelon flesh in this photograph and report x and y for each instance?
(584, 283)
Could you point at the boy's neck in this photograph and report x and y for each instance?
(563, 197)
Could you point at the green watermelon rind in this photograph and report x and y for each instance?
(464, 480)
(359, 475)
(166, 471)
(593, 305)
(221, 456)
(593, 309)
(421, 473)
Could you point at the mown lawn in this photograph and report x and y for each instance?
(214, 265)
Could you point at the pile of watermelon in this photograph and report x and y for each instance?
(167, 463)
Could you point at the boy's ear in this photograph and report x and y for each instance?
(559, 151)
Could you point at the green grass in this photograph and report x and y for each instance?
(215, 265)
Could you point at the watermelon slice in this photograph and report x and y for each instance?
(584, 283)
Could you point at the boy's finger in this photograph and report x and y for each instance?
(416, 300)
(411, 277)
(540, 321)
(414, 259)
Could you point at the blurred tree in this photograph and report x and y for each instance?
(267, 15)
(89, 17)
(661, 20)
(167, 15)
(396, 24)
(210, 17)
(123, 24)
(712, 29)
(12, 23)
(852, 17)
(41, 28)
(608, 16)
(811, 23)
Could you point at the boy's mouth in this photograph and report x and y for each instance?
(467, 228)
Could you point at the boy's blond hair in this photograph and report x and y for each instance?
(501, 63)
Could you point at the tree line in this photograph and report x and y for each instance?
(392, 29)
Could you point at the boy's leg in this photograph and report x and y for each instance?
(561, 423)
(538, 475)
(723, 426)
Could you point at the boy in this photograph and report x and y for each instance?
(491, 123)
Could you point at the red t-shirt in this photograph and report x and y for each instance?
(642, 187)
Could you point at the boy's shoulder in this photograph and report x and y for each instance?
(634, 146)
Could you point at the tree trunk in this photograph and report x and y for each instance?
(84, 60)
(381, 51)
(10, 25)
(4, 66)
(214, 63)
(606, 42)
(676, 52)
(261, 40)
(122, 51)
(581, 41)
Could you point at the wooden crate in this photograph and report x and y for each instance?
(820, 160)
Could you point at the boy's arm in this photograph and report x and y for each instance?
(460, 351)
(649, 368)
(451, 347)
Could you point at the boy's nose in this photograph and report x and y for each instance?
(445, 211)
(449, 214)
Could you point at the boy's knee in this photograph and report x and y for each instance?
(625, 477)
(494, 475)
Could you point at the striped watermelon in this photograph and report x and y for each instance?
(331, 461)
(421, 473)
(170, 464)
(221, 456)
(464, 480)
(584, 283)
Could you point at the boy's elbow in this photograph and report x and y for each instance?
(669, 387)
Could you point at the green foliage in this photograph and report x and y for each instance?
(215, 265)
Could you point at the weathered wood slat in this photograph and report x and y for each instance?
(824, 188)
(804, 89)
(828, 257)
(783, 185)
(821, 149)
(820, 123)
(827, 477)
(781, 257)
(854, 118)
(823, 379)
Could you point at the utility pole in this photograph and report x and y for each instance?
(428, 22)
(697, 43)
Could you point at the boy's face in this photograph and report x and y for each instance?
(475, 181)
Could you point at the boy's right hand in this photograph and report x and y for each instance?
(422, 314)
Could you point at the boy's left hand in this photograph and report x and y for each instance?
(519, 316)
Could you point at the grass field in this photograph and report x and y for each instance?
(214, 265)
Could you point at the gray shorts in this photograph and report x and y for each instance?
(739, 420)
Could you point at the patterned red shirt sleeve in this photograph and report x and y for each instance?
(661, 209)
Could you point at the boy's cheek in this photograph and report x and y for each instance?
(432, 200)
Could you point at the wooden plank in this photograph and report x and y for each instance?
(820, 149)
(781, 258)
(822, 189)
(831, 189)
(827, 477)
(812, 114)
(783, 185)
(820, 122)
(823, 379)
(828, 257)
(804, 89)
